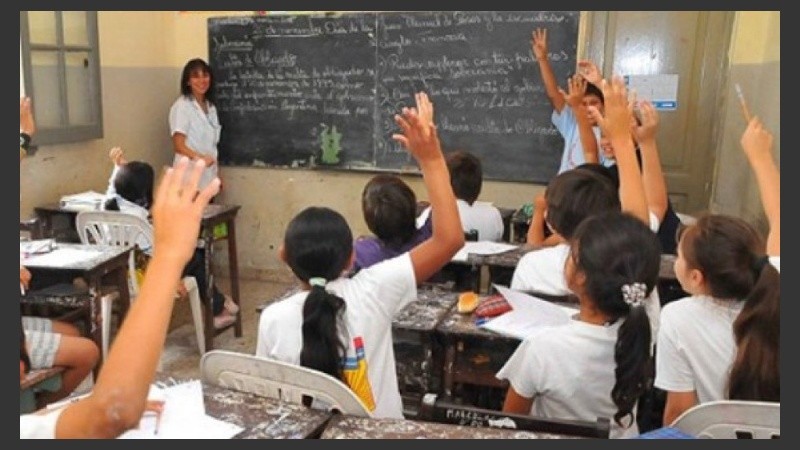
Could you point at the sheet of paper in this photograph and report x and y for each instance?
(62, 257)
(482, 248)
(184, 416)
(528, 314)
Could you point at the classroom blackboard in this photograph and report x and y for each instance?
(320, 91)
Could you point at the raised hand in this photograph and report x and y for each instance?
(539, 43)
(577, 88)
(26, 123)
(419, 134)
(756, 140)
(646, 131)
(589, 71)
(117, 156)
(178, 209)
(618, 114)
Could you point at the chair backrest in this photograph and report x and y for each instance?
(276, 379)
(732, 419)
(433, 409)
(118, 229)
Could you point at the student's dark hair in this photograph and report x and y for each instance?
(574, 195)
(617, 252)
(592, 89)
(390, 209)
(195, 65)
(466, 175)
(318, 244)
(133, 182)
(730, 254)
(23, 351)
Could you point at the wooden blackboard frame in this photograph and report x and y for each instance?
(343, 76)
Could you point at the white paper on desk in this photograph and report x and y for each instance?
(482, 248)
(528, 314)
(62, 256)
(184, 416)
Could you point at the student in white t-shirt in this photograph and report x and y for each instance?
(119, 397)
(343, 326)
(466, 177)
(597, 364)
(577, 194)
(723, 342)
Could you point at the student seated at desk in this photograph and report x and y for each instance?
(389, 207)
(119, 398)
(130, 190)
(723, 341)
(577, 194)
(343, 326)
(466, 177)
(597, 365)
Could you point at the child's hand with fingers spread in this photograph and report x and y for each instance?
(178, 209)
(117, 156)
(590, 72)
(539, 43)
(618, 115)
(418, 134)
(646, 131)
(577, 88)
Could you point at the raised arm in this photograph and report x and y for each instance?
(757, 144)
(539, 47)
(117, 157)
(420, 138)
(27, 126)
(574, 98)
(119, 397)
(616, 125)
(655, 188)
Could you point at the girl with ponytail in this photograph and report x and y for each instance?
(596, 365)
(723, 342)
(343, 326)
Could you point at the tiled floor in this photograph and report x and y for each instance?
(181, 357)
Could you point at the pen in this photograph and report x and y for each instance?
(480, 321)
(745, 110)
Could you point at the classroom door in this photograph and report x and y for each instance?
(694, 45)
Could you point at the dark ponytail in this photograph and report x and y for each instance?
(729, 253)
(318, 245)
(620, 257)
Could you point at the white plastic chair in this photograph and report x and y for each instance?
(279, 380)
(732, 419)
(120, 229)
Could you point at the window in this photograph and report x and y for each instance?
(60, 69)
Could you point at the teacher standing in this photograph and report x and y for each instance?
(193, 121)
(195, 130)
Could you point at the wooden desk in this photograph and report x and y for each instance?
(57, 223)
(213, 215)
(472, 354)
(418, 355)
(96, 264)
(349, 427)
(261, 417)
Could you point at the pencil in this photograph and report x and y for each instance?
(745, 110)
(158, 422)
